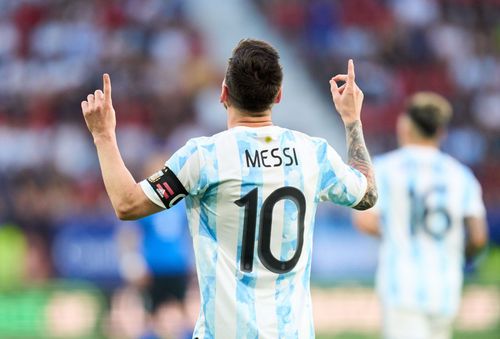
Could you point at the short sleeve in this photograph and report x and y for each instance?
(474, 205)
(340, 183)
(185, 166)
(186, 163)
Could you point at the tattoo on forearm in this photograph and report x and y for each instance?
(359, 158)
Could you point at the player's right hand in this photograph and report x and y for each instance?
(347, 98)
(98, 110)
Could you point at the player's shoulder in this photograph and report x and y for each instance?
(453, 164)
(200, 142)
(306, 137)
(318, 145)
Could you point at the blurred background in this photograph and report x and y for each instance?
(70, 269)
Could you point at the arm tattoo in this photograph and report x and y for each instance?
(359, 158)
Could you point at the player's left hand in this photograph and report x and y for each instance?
(98, 111)
(348, 98)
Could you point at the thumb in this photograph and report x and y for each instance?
(334, 88)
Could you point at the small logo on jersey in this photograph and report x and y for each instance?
(272, 157)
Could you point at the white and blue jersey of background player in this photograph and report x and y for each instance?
(251, 197)
(424, 196)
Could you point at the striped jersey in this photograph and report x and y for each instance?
(251, 202)
(424, 196)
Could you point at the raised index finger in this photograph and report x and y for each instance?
(350, 72)
(107, 87)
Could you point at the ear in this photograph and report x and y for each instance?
(224, 94)
(403, 129)
(278, 96)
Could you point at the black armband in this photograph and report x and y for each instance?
(167, 186)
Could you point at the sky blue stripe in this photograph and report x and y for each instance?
(284, 291)
(246, 281)
(441, 178)
(179, 159)
(413, 169)
(207, 242)
(325, 175)
(320, 154)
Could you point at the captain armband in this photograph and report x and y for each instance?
(167, 186)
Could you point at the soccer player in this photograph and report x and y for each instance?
(251, 194)
(426, 199)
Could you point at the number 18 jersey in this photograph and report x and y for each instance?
(251, 200)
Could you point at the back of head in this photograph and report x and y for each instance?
(429, 112)
(253, 76)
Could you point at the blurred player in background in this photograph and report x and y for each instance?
(426, 199)
(251, 195)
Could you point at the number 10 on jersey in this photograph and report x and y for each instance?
(249, 201)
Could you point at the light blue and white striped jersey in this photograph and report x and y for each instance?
(252, 197)
(424, 196)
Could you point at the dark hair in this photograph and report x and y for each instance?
(429, 112)
(253, 76)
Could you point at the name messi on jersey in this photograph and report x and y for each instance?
(272, 158)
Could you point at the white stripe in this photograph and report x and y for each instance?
(406, 275)
(301, 301)
(429, 253)
(227, 222)
(265, 287)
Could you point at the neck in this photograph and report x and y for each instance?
(236, 118)
(432, 143)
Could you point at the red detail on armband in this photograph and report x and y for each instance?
(162, 191)
(169, 189)
(167, 186)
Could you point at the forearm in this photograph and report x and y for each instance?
(367, 222)
(477, 236)
(119, 183)
(359, 158)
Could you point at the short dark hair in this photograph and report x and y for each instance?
(253, 76)
(429, 112)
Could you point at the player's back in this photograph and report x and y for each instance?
(424, 196)
(252, 198)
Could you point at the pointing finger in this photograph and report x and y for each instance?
(107, 88)
(350, 72)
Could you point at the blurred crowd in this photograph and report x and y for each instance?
(55, 219)
(402, 46)
(52, 53)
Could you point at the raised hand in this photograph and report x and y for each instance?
(347, 98)
(98, 110)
